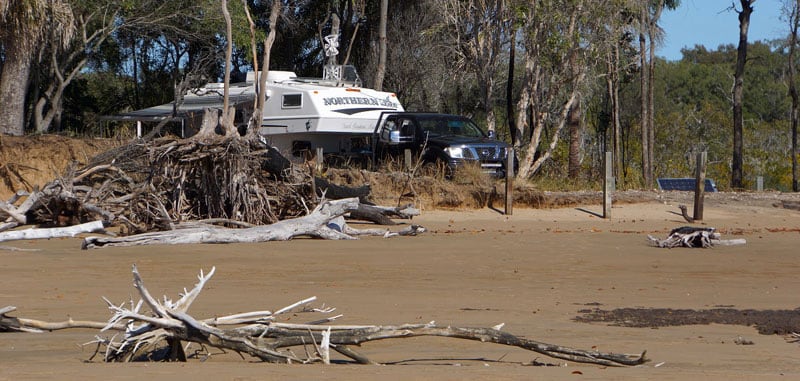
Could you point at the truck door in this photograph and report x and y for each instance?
(395, 135)
(407, 131)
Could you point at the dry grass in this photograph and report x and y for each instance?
(469, 188)
(31, 161)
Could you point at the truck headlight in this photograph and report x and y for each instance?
(455, 152)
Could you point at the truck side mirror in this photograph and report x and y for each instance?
(394, 137)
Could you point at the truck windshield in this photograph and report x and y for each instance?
(453, 127)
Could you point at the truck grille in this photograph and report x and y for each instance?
(489, 153)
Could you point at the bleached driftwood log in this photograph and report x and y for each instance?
(381, 215)
(322, 222)
(159, 333)
(688, 236)
(11, 324)
(16, 216)
(259, 334)
(44, 233)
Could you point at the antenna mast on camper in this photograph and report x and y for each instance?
(332, 70)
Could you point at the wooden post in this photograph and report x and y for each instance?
(608, 186)
(509, 182)
(320, 159)
(407, 159)
(760, 183)
(700, 186)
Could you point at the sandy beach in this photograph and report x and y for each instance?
(536, 271)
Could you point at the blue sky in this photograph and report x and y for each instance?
(711, 24)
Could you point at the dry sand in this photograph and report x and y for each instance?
(533, 271)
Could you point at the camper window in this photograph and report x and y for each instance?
(292, 100)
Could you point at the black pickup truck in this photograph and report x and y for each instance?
(451, 140)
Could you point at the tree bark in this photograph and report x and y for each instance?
(512, 49)
(651, 84)
(644, 110)
(794, 114)
(380, 72)
(69, 231)
(13, 87)
(227, 118)
(737, 177)
(574, 119)
(612, 87)
(255, 121)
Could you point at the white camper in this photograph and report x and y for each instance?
(305, 114)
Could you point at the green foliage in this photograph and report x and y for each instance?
(693, 115)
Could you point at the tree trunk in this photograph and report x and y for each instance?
(13, 86)
(795, 24)
(618, 163)
(488, 106)
(737, 181)
(645, 119)
(651, 84)
(510, 87)
(381, 70)
(53, 97)
(562, 121)
(524, 101)
(227, 118)
(574, 119)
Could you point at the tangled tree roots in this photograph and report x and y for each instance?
(153, 185)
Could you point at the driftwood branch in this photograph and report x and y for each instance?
(382, 215)
(44, 233)
(319, 223)
(261, 335)
(9, 323)
(688, 236)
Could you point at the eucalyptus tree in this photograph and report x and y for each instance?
(614, 40)
(477, 34)
(380, 71)
(166, 43)
(96, 21)
(649, 37)
(99, 34)
(24, 25)
(556, 60)
(791, 12)
(421, 70)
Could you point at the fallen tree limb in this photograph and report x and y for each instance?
(688, 236)
(260, 335)
(16, 216)
(316, 224)
(381, 214)
(334, 191)
(13, 212)
(8, 225)
(69, 231)
(8, 323)
(793, 205)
